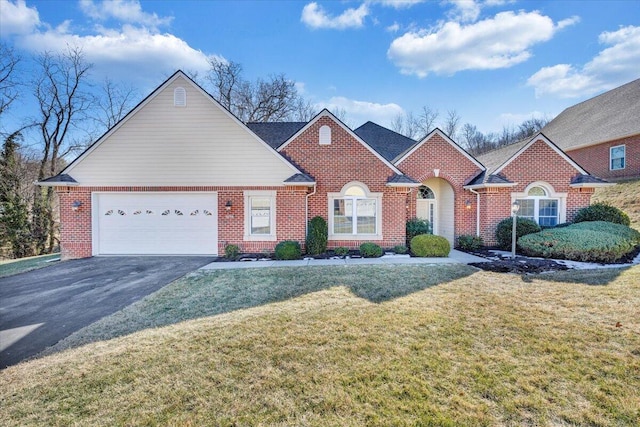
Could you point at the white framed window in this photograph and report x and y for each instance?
(355, 213)
(260, 215)
(617, 156)
(541, 204)
(325, 135)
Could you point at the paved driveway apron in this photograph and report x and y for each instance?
(41, 307)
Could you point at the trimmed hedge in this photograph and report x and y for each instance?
(231, 251)
(288, 249)
(370, 250)
(470, 243)
(317, 236)
(504, 230)
(602, 212)
(428, 245)
(597, 241)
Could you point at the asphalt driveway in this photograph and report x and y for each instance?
(41, 307)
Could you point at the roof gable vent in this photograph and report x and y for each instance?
(325, 135)
(179, 97)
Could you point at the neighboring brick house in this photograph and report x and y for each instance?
(181, 175)
(602, 134)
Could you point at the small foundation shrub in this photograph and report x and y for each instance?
(231, 251)
(602, 212)
(288, 249)
(400, 249)
(470, 243)
(415, 227)
(428, 245)
(341, 251)
(504, 231)
(370, 250)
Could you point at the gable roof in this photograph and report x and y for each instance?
(146, 101)
(606, 117)
(327, 113)
(275, 133)
(402, 156)
(388, 143)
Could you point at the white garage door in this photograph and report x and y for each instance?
(155, 223)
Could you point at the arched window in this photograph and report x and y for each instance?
(179, 97)
(425, 192)
(540, 205)
(355, 212)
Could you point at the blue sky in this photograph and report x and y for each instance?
(496, 62)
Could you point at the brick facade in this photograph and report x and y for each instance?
(595, 159)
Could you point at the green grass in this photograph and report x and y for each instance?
(624, 196)
(11, 267)
(350, 346)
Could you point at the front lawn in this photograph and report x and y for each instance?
(15, 266)
(350, 346)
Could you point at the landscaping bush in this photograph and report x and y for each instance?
(400, 249)
(341, 251)
(524, 226)
(588, 241)
(370, 250)
(470, 243)
(317, 236)
(602, 212)
(288, 249)
(231, 251)
(415, 227)
(428, 245)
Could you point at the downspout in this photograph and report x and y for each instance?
(306, 210)
(477, 210)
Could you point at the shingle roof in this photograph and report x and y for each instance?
(275, 133)
(493, 159)
(387, 143)
(300, 178)
(606, 117)
(401, 179)
(587, 179)
(62, 178)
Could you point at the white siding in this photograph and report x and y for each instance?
(164, 145)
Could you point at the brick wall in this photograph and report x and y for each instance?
(343, 161)
(595, 159)
(75, 228)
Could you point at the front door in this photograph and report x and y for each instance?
(426, 207)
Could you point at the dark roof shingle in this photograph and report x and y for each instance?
(387, 143)
(275, 133)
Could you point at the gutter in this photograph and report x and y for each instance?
(306, 210)
(477, 210)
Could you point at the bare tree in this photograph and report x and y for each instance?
(61, 92)
(304, 110)
(265, 100)
(427, 120)
(113, 104)
(451, 124)
(8, 80)
(530, 127)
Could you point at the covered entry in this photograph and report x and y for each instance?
(435, 203)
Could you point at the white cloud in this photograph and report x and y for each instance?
(128, 11)
(117, 52)
(498, 42)
(612, 66)
(397, 4)
(393, 28)
(314, 16)
(517, 118)
(16, 18)
(465, 10)
(359, 112)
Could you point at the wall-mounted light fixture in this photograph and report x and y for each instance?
(467, 204)
(76, 205)
(228, 205)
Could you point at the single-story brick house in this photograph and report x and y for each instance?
(602, 133)
(180, 174)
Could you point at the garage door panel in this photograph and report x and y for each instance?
(156, 223)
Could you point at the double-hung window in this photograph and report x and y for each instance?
(539, 207)
(260, 208)
(354, 213)
(617, 157)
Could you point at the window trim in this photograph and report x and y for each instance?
(272, 236)
(551, 195)
(624, 157)
(331, 197)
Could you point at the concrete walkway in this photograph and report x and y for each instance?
(455, 257)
